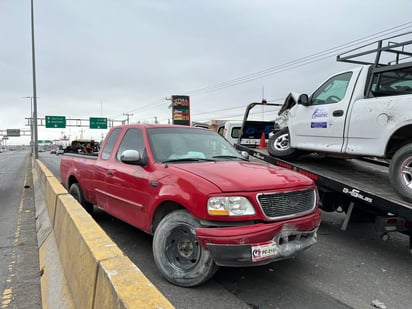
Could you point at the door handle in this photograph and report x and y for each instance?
(337, 113)
(109, 173)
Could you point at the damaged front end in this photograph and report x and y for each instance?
(260, 244)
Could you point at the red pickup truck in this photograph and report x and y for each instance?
(204, 202)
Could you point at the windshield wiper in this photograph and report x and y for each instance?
(227, 157)
(188, 159)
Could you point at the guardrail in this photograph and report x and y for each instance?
(81, 266)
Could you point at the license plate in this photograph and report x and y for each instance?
(245, 141)
(263, 251)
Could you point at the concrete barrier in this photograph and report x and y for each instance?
(81, 266)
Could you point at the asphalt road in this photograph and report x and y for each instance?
(19, 263)
(352, 269)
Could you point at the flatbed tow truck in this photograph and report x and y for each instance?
(350, 186)
(358, 186)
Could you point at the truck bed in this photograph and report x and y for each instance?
(360, 180)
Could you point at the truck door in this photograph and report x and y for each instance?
(320, 126)
(102, 169)
(128, 184)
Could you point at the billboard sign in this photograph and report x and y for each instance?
(181, 110)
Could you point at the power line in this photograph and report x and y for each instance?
(295, 63)
(290, 65)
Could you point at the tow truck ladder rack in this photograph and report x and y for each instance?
(398, 49)
(402, 52)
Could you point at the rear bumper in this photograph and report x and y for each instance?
(260, 244)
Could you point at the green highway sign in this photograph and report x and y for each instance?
(98, 123)
(55, 121)
(13, 132)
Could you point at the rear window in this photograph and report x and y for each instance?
(396, 82)
(108, 147)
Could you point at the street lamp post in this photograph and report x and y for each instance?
(36, 146)
(31, 124)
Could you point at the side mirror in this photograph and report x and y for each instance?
(130, 157)
(303, 100)
(245, 155)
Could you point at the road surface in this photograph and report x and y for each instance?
(19, 263)
(352, 269)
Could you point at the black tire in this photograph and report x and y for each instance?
(77, 193)
(178, 254)
(278, 146)
(400, 172)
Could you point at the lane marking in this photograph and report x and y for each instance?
(8, 293)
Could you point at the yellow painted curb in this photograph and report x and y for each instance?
(97, 273)
(82, 245)
(52, 189)
(120, 284)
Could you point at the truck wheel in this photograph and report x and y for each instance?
(77, 193)
(177, 252)
(278, 145)
(400, 172)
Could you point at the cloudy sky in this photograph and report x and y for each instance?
(108, 58)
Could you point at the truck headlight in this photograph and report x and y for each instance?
(229, 206)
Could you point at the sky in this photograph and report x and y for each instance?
(122, 59)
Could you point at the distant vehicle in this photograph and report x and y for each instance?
(83, 142)
(204, 202)
(200, 125)
(253, 130)
(53, 151)
(231, 131)
(59, 152)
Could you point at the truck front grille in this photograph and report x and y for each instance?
(287, 204)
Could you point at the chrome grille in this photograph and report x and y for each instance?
(286, 204)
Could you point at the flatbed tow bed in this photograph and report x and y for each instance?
(362, 183)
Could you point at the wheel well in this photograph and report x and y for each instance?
(398, 139)
(161, 211)
(71, 181)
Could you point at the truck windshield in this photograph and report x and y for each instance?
(333, 90)
(189, 145)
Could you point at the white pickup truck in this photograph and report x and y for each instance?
(361, 112)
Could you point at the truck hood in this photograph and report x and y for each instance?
(232, 176)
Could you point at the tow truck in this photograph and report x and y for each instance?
(353, 183)
(358, 188)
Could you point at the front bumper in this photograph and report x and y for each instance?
(262, 243)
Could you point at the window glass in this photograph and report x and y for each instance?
(132, 140)
(235, 132)
(108, 147)
(394, 82)
(221, 130)
(189, 144)
(333, 90)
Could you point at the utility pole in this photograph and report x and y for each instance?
(36, 146)
(127, 115)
